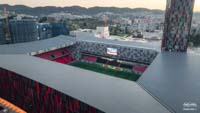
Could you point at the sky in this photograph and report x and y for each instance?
(151, 4)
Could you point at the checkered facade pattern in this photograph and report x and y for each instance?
(177, 25)
(132, 54)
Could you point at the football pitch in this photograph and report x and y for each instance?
(100, 69)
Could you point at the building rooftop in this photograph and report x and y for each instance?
(173, 78)
(64, 41)
(37, 46)
(108, 94)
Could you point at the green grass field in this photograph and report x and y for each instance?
(97, 68)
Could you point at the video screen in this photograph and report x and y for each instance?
(112, 51)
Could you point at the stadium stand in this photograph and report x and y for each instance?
(89, 58)
(101, 60)
(59, 55)
(126, 66)
(77, 47)
(128, 53)
(139, 69)
(113, 63)
(136, 67)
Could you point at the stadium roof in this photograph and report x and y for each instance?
(64, 41)
(149, 45)
(106, 93)
(37, 46)
(174, 79)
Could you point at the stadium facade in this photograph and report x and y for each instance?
(177, 25)
(60, 88)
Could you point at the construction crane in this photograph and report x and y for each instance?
(7, 29)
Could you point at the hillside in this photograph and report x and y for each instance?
(39, 11)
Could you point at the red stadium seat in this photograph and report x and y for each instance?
(140, 69)
(59, 55)
(90, 58)
(44, 55)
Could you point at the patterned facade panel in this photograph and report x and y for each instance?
(177, 25)
(34, 97)
(139, 55)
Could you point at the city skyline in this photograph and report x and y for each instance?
(150, 4)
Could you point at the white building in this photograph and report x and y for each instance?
(102, 32)
(156, 35)
(132, 28)
(82, 32)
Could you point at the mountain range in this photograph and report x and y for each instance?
(47, 10)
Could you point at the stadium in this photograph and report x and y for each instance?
(124, 60)
(106, 56)
(82, 74)
(113, 56)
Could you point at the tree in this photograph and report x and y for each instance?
(194, 40)
(43, 19)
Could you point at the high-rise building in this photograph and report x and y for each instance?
(44, 30)
(24, 30)
(2, 33)
(177, 25)
(59, 29)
